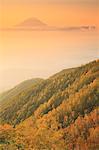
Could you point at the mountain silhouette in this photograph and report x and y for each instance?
(31, 22)
(36, 24)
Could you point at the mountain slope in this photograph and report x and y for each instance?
(59, 113)
(19, 88)
(50, 93)
(10, 96)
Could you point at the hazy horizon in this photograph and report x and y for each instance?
(27, 74)
(9, 76)
(30, 54)
(62, 12)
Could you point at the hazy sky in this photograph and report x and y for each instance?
(25, 55)
(53, 12)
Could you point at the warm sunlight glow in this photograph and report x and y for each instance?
(61, 14)
(26, 54)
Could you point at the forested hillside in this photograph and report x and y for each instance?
(25, 85)
(59, 113)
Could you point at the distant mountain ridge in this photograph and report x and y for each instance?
(34, 24)
(31, 22)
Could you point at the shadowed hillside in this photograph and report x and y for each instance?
(59, 113)
(19, 88)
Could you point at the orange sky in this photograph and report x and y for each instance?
(52, 12)
(25, 55)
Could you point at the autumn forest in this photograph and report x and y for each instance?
(59, 113)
